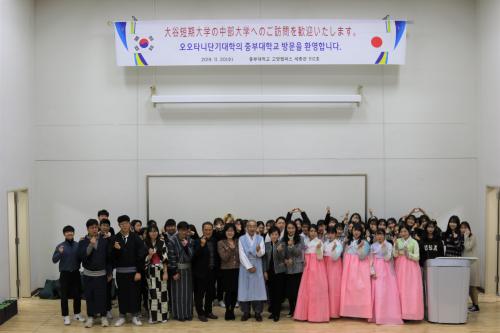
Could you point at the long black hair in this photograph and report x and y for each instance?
(296, 236)
(192, 228)
(435, 233)
(453, 219)
(149, 242)
(359, 227)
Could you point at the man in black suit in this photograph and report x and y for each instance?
(205, 263)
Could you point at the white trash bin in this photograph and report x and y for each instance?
(447, 289)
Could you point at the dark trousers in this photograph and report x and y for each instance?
(219, 291)
(256, 305)
(95, 295)
(128, 293)
(71, 287)
(109, 288)
(204, 293)
(276, 287)
(292, 289)
(144, 292)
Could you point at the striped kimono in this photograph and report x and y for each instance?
(179, 261)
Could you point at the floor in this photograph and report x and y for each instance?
(43, 316)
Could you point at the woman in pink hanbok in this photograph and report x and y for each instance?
(385, 293)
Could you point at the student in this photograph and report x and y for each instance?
(219, 291)
(453, 240)
(66, 253)
(261, 228)
(333, 251)
(372, 229)
(269, 224)
(230, 263)
(385, 293)
(205, 263)
(312, 302)
(193, 233)
(105, 232)
(321, 225)
(340, 227)
(274, 272)
(169, 230)
(136, 227)
(355, 295)
(470, 250)
(305, 222)
(251, 285)
(294, 261)
(180, 255)
(93, 251)
(156, 276)
(409, 275)
(431, 245)
(128, 253)
(103, 214)
(280, 224)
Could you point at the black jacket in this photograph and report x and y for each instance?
(98, 259)
(132, 254)
(201, 257)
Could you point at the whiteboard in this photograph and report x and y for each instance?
(200, 198)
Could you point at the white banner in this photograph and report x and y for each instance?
(260, 42)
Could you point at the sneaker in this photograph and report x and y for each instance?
(136, 321)
(89, 323)
(474, 308)
(237, 305)
(150, 321)
(120, 322)
(164, 321)
(104, 322)
(222, 304)
(67, 321)
(79, 317)
(109, 315)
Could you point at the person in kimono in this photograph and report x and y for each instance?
(385, 293)
(105, 232)
(251, 285)
(180, 254)
(156, 276)
(332, 250)
(93, 251)
(129, 252)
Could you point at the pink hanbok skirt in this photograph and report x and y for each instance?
(356, 289)
(409, 279)
(312, 302)
(385, 294)
(334, 275)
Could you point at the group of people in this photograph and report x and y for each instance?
(331, 269)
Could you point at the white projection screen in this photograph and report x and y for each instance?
(200, 198)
